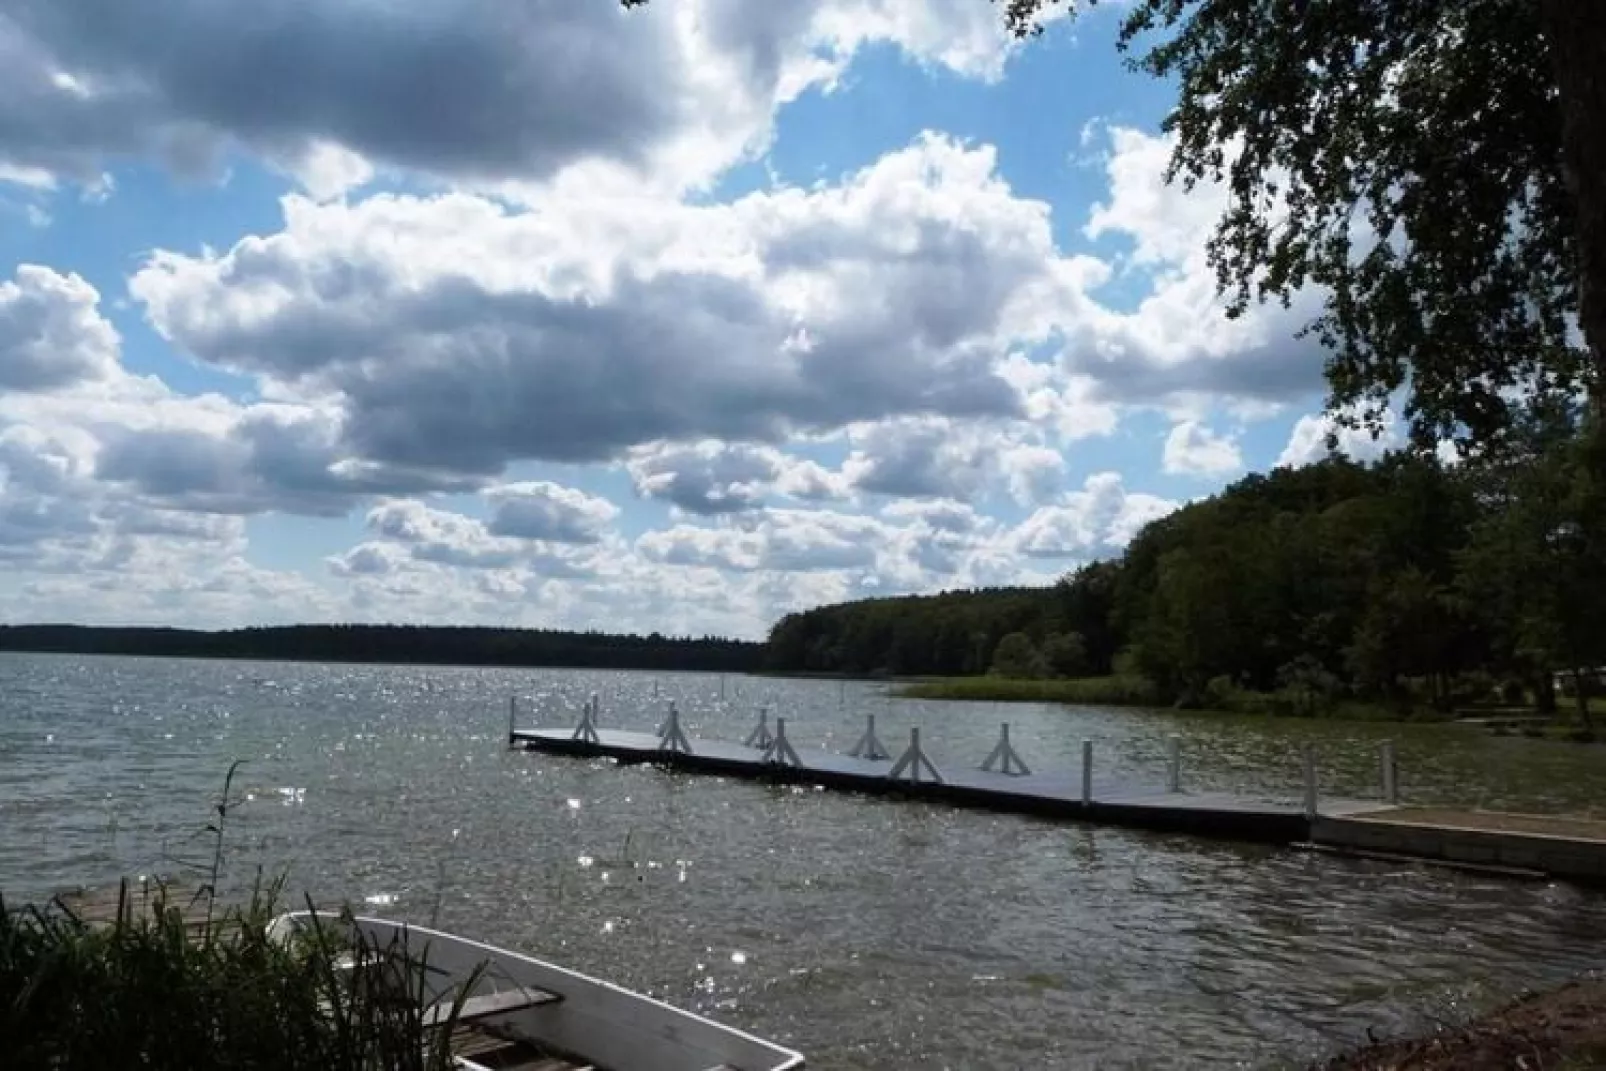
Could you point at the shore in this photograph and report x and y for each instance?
(1561, 1029)
(1119, 691)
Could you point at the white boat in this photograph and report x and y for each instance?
(511, 1012)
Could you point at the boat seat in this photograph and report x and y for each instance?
(488, 1005)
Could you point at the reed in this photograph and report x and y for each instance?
(182, 982)
(1086, 691)
(145, 990)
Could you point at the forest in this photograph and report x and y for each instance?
(1408, 582)
(428, 645)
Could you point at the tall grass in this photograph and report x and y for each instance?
(1086, 691)
(176, 983)
(146, 990)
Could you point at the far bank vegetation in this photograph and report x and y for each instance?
(1401, 588)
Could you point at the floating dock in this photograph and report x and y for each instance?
(1510, 845)
(1001, 782)
(1518, 845)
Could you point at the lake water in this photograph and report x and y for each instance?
(870, 933)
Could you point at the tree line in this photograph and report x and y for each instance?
(1405, 581)
(428, 645)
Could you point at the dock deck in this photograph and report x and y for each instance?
(1051, 794)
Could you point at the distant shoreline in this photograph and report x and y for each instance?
(310, 661)
(400, 645)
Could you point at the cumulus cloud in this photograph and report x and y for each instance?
(457, 334)
(51, 332)
(541, 510)
(781, 540)
(1191, 449)
(920, 458)
(472, 90)
(1095, 522)
(1308, 442)
(261, 458)
(448, 538)
(937, 457)
(707, 477)
(1176, 341)
(913, 322)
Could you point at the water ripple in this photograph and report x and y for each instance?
(871, 933)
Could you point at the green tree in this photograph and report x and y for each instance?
(1536, 563)
(1432, 166)
(1065, 654)
(1016, 657)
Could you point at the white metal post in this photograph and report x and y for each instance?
(1174, 777)
(1311, 791)
(1087, 772)
(1391, 774)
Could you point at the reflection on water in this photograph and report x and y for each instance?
(870, 933)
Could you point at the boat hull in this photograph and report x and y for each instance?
(607, 1025)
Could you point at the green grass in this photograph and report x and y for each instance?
(1129, 691)
(147, 991)
(1085, 691)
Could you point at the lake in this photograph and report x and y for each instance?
(870, 933)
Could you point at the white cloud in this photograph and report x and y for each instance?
(456, 334)
(1176, 342)
(1307, 443)
(707, 477)
(327, 171)
(472, 91)
(51, 331)
(1191, 449)
(32, 178)
(541, 510)
(453, 539)
(1095, 522)
(906, 343)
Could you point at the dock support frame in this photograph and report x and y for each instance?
(761, 736)
(913, 763)
(1005, 757)
(673, 739)
(869, 745)
(779, 751)
(587, 729)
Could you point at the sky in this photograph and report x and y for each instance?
(552, 314)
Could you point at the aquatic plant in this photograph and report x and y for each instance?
(184, 981)
(150, 989)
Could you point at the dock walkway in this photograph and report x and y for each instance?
(1052, 795)
(1572, 848)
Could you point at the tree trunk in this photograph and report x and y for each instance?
(1545, 692)
(1581, 691)
(1576, 33)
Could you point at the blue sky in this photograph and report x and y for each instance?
(559, 315)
